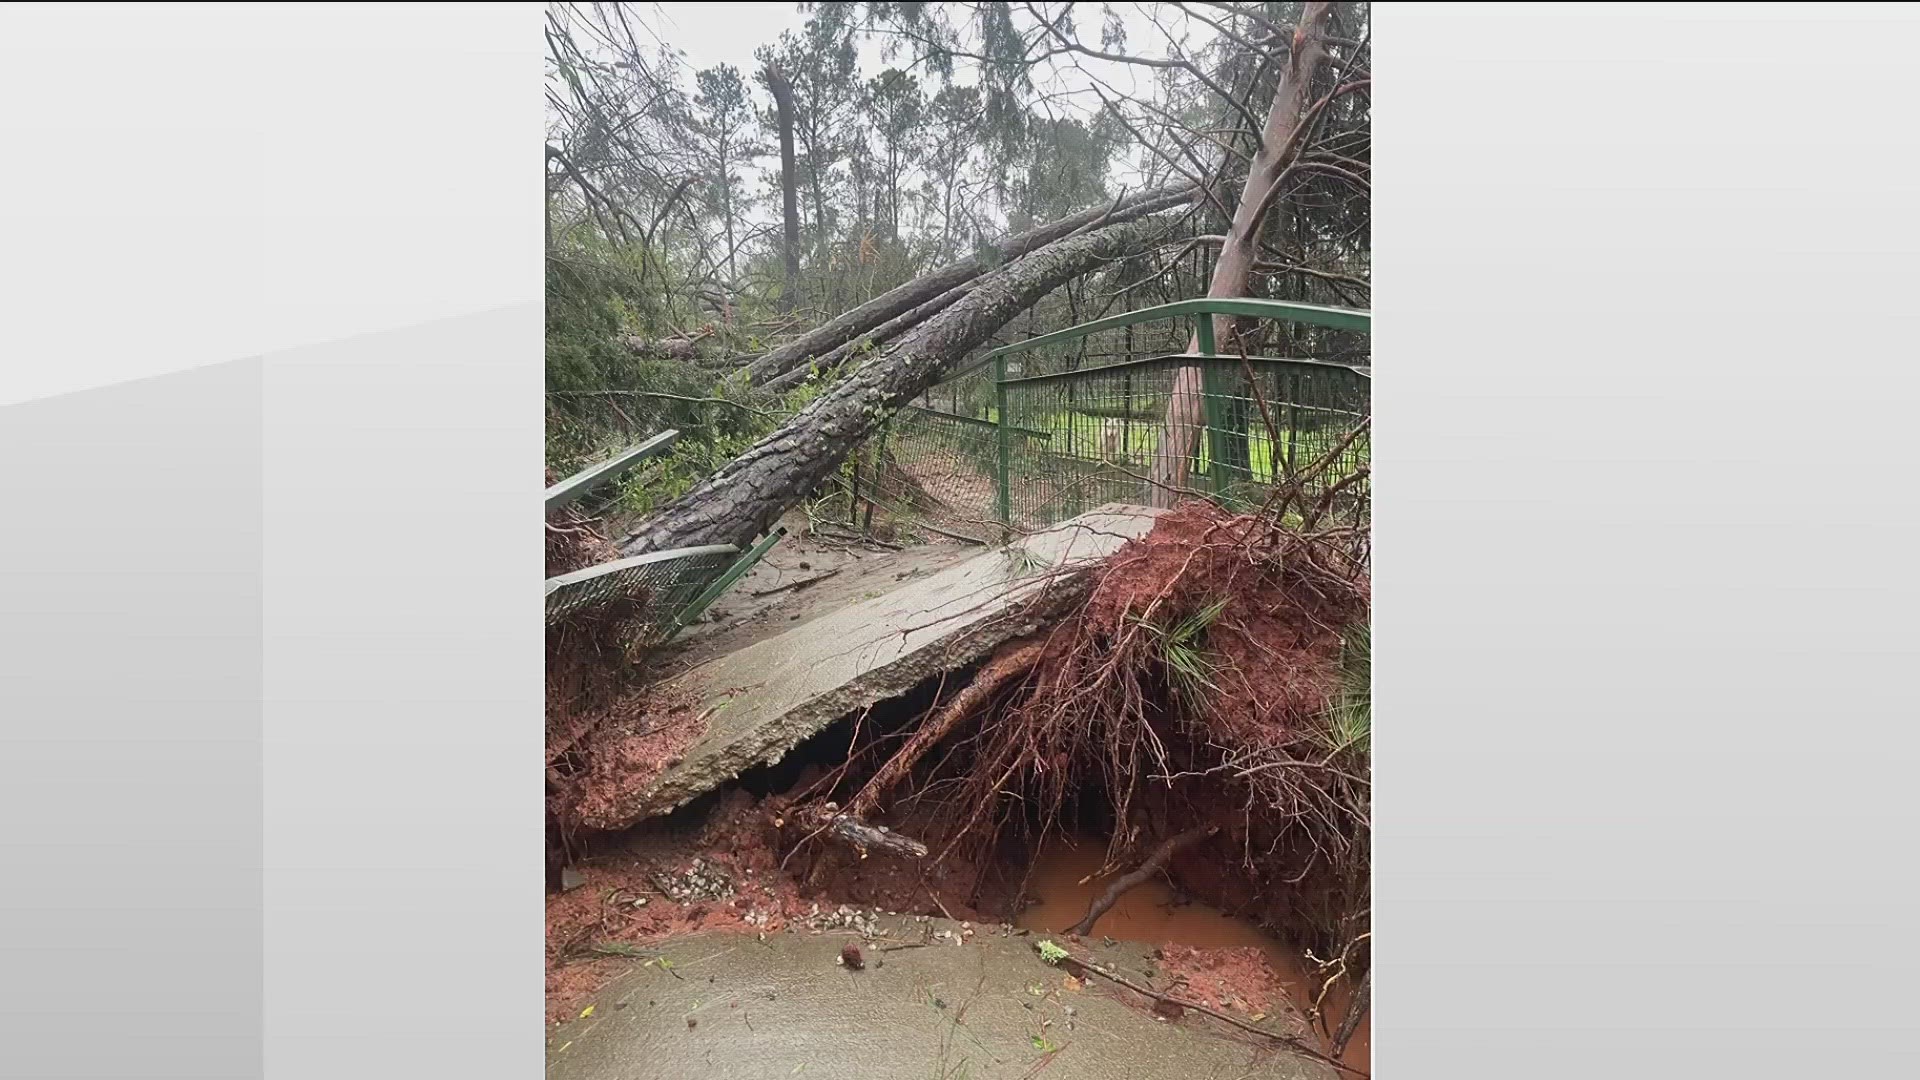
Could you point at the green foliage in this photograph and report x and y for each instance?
(1350, 714)
(720, 434)
(602, 396)
(1183, 651)
(1066, 163)
(1051, 952)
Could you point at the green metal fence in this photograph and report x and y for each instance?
(662, 584)
(1249, 424)
(1030, 433)
(1143, 408)
(669, 589)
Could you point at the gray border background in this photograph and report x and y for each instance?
(269, 668)
(130, 778)
(270, 663)
(1645, 565)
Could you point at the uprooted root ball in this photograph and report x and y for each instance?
(1198, 684)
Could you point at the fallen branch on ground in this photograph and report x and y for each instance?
(863, 838)
(1356, 1009)
(1292, 1042)
(1146, 870)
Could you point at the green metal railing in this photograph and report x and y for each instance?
(662, 584)
(1254, 423)
(670, 588)
(1031, 433)
(577, 486)
(1201, 312)
(732, 573)
(1034, 432)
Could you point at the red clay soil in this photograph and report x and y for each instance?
(632, 739)
(606, 731)
(932, 887)
(1278, 643)
(740, 843)
(1278, 634)
(575, 541)
(605, 909)
(1236, 977)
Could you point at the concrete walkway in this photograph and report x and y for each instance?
(764, 699)
(731, 1006)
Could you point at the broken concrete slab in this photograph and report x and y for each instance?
(767, 602)
(973, 1003)
(763, 700)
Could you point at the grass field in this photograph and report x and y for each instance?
(1061, 464)
(1082, 435)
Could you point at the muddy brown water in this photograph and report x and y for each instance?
(1067, 877)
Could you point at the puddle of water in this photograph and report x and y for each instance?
(1066, 878)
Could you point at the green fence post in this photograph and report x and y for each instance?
(722, 583)
(1004, 445)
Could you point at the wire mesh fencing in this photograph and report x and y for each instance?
(1151, 431)
(1138, 408)
(1149, 427)
(659, 585)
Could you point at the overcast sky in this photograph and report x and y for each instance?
(726, 33)
(729, 33)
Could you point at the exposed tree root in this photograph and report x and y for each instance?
(863, 837)
(1145, 871)
(1356, 1010)
(1012, 661)
(1195, 687)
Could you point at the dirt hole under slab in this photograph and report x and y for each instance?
(1198, 725)
(730, 859)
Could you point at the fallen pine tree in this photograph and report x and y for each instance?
(749, 493)
(928, 293)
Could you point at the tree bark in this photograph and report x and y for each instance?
(863, 838)
(930, 286)
(750, 493)
(880, 335)
(685, 349)
(789, 186)
(1233, 269)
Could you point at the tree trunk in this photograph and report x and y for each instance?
(879, 335)
(789, 186)
(931, 285)
(750, 493)
(1233, 269)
